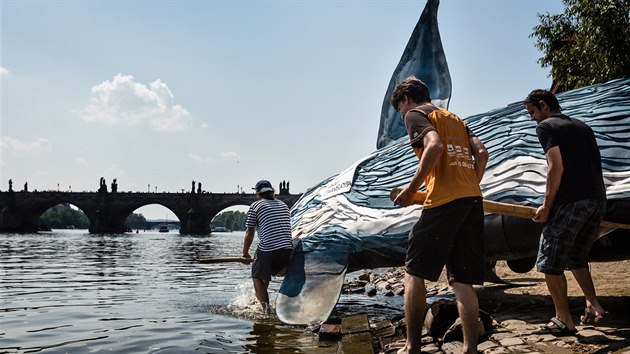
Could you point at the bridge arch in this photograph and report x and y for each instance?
(134, 208)
(71, 216)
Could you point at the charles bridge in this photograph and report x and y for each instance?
(107, 211)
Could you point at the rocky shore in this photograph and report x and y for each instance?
(510, 314)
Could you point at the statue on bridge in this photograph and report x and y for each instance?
(25, 186)
(10, 185)
(114, 186)
(193, 187)
(103, 187)
(284, 188)
(199, 187)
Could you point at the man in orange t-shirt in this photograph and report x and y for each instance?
(452, 161)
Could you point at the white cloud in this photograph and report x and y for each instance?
(230, 155)
(195, 157)
(4, 71)
(83, 163)
(223, 156)
(21, 147)
(127, 102)
(203, 125)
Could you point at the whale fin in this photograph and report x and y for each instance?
(423, 57)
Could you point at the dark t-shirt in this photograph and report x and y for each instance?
(582, 176)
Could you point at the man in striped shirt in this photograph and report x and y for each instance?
(271, 218)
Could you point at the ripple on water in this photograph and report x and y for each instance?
(72, 292)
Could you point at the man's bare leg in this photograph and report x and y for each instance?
(260, 288)
(468, 309)
(585, 281)
(557, 285)
(415, 301)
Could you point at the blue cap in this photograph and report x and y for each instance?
(263, 186)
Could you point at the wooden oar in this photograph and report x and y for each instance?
(490, 206)
(226, 260)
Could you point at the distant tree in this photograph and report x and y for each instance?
(233, 220)
(62, 216)
(136, 221)
(589, 43)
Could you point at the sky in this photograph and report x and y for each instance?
(158, 94)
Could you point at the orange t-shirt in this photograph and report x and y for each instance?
(454, 175)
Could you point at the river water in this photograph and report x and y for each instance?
(72, 292)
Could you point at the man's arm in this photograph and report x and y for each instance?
(249, 238)
(433, 148)
(554, 176)
(480, 154)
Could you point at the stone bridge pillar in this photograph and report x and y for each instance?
(194, 222)
(106, 215)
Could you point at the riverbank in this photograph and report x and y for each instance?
(517, 310)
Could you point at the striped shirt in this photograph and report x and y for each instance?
(272, 221)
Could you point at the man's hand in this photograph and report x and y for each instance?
(541, 215)
(404, 198)
(246, 258)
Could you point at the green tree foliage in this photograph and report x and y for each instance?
(589, 43)
(233, 220)
(136, 221)
(62, 216)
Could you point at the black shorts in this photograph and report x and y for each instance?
(450, 234)
(270, 263)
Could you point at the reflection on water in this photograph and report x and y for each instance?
(72, 292)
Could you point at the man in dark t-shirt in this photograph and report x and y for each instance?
(573, 207)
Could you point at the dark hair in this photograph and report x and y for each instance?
(413, 88)
(538, 95)
(266, 195)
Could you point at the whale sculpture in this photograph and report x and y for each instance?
(347, 222)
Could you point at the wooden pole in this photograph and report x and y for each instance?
(490, 206)
(226, 260)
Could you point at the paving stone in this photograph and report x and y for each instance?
(508, 342)
(329, 331)
(548, 337)
(562, 344)
(500, 336)
(382, 285)
(486, 345)
(357, 343)
(593, 336)
(383, 328)
(431, 348)
(427, 340)
(520, 349)
(533, 338)
(355, 323)
(496, 350)
(508, 323)
(452, 347)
